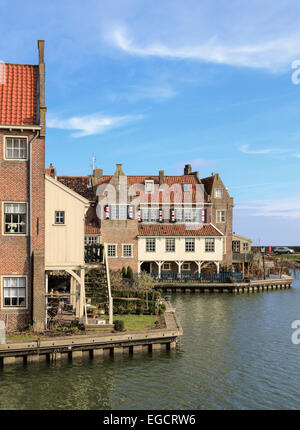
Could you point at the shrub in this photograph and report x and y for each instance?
(231, 280)
(129, 274)
(124, 273)
(119, 325)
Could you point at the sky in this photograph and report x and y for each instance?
(156, 85)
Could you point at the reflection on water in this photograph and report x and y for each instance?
(236, 353)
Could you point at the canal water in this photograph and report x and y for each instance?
(236, 353)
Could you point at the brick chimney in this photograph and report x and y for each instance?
(119, 170)
(161, 177)
(98, 174)
(51, 171)
(187, 169)
(41, 91)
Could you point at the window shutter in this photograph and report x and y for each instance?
(106, 212)
(160, 215)
(203, 215)
(139, 216)
(172, 215)
(130, 212)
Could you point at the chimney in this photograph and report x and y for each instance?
(51, 171)
(187, 169)
(119, 170)
(161, 177)
(41, 93)
(98, 174)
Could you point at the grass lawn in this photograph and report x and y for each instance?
(21, 336)
(135, 322)
(294, 257)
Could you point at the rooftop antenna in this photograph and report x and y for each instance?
(93, 162)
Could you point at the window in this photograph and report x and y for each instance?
(59, 217)
(166, 266)
(236, 246)
(127, 250)
(188, 215)
(149, 187)
(111, 250)
(221, 216)
(170, 245)
(150, 245)
(92, 240)
(186, 188)
(189, 245)
(209, 245)
(14, 291)
(15, 218)
(218, 193)
(245, 246)
(186, 266)
(118, 212)
(15, 148)
(150, 215)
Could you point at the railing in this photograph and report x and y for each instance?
(93, 253)
(238, 256)
(222, 277)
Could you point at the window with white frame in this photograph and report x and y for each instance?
(236, 245)
(15, 148)
(218, 193)
(209, 245)
(150, 245)
(127, 250)
(149, 187)
(149, 214)
(15, 218)
(186, 266)
(186, 188)
(14, 291)
(118, 211)
(170, 244)
(59, 217)
(221, 216)
(188, 215)
(190, 245)
(166, 266)
(92, 240)
(111, 250)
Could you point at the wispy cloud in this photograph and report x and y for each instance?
(272, 55)
(245, 149)
(288, 207)
(136, 93)
(87, 125)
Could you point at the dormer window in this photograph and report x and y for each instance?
(149, 187)
(218, 193)
(186, 188)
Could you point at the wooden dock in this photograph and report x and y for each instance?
(89, 346)
(238, 287)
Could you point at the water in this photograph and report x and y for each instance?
(236, 353)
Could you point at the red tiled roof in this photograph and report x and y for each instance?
(18, 94)
(79, 184)
(91, 221)
(208, 183)
(176, 230)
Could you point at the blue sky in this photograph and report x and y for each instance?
(156, 85)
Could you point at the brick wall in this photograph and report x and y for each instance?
(14, 250)
(121, 232)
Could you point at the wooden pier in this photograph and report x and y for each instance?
(237, 287)
(88, 346)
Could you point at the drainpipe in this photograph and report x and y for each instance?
(30, 212)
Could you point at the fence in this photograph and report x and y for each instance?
(222, 277)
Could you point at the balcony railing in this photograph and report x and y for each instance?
(240, 257)
(93, 253)
(222, 277)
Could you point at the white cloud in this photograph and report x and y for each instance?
(91, 124)
(287, 208)
(272, 55)
(246, 150)
(137, 93)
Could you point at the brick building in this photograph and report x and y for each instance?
(158, 223)
(22, 193)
